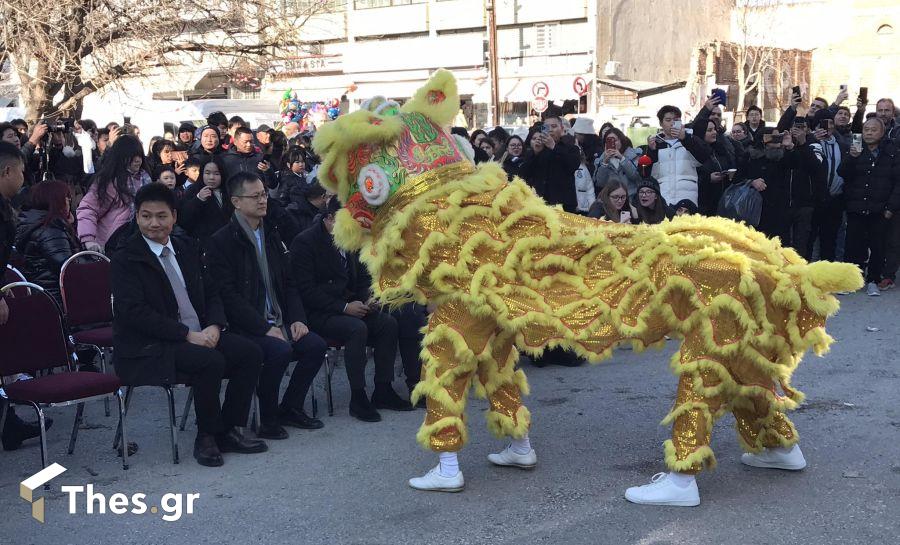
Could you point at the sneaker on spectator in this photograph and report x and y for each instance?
(886, 284)
(872, 289)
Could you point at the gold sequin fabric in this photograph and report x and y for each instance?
(746, 307)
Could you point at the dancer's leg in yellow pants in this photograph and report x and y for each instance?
(759, 424)
(457, 345)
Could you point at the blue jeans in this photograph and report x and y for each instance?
(309, 352)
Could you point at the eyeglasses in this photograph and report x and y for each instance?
(618, 197)
(646, 192)
(260, 197)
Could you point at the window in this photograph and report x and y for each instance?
(545, 38)
(367, 4)
(303, 7)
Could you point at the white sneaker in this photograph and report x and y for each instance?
(509, 458)
(792, 460)
(435, 482)
(663, 491)
(872, 289)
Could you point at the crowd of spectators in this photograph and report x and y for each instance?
(226, 224)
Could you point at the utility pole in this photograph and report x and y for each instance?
(492, 62)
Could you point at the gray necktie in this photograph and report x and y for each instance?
(186, 313)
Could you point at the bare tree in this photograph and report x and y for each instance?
(752, 60)
(64, 50)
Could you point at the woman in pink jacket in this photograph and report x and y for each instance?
(109, 201)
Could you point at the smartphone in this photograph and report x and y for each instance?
(625, 217)
(127, 120)
(856, 141)
(844, 87)
(864, 94)
(545, 129)
(677, 125)
(723, 96)
(826, 124)
(180, 156)
(800, 122)
(611, 143)
(796, 90)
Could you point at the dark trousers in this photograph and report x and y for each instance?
(801, 230)
(309, 352)
(378, 330)
(234, 358)
(866, 236)
(826, 223)
(892, 248)
(411, 318)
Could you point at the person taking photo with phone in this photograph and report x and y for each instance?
(677, 153)
(551, 172)
(617, 161)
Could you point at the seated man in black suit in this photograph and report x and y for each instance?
(168, 323)
(335, 289)
(248, 259)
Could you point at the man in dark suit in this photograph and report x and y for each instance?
(335, 289)
(247, 258)
(167, 328)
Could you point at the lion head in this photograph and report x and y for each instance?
(369, 154)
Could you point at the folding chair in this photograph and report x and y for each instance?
(84, 286)
(170, 401)
(35, 339)
(335, 351)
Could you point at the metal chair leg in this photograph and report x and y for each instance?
(187, 408)
(44, 452)
(4, 405)
(171, 395)
(128, 392)
(329, 371)
(103, 369)
(122, 428)
(79, 415)
(255, 418)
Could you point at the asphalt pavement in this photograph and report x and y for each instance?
(595, 429)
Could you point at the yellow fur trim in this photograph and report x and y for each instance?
(348, 233)
(438, 99)
(503, 426)
(702, 457)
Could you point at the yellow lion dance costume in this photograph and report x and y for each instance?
(507, 273)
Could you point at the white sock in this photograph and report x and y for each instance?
(682, 480)
(520, 446)
(449, 464)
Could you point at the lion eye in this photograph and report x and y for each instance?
(374, 184)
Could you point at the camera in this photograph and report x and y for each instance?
(63, 124)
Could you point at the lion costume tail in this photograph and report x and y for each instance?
(832, 277)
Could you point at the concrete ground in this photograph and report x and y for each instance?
(596, 431)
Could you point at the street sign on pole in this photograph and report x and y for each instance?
(540, 89)
(539, 104)
(580, 86)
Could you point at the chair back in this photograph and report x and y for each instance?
(12, 275)
(34, 337)
(84, 287)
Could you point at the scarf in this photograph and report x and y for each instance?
(273, 315)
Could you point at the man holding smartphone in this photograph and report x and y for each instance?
(676, 155)
(552, 171)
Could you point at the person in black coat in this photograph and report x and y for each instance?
(551, 171)
(306, 205)
(767, 170)
(243, 157)
(336, 291)
(205, 206)
(45, 237)
(872, 196)
(713, 176)
(248, 259)
(168, 328)
(12, 176)
(807, 185)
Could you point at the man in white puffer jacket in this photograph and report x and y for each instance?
(676, 155)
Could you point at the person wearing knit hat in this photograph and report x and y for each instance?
(651, 206)
(185, 138)
(685, 206)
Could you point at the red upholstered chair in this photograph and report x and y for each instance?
(84, 286)
(35, 339)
